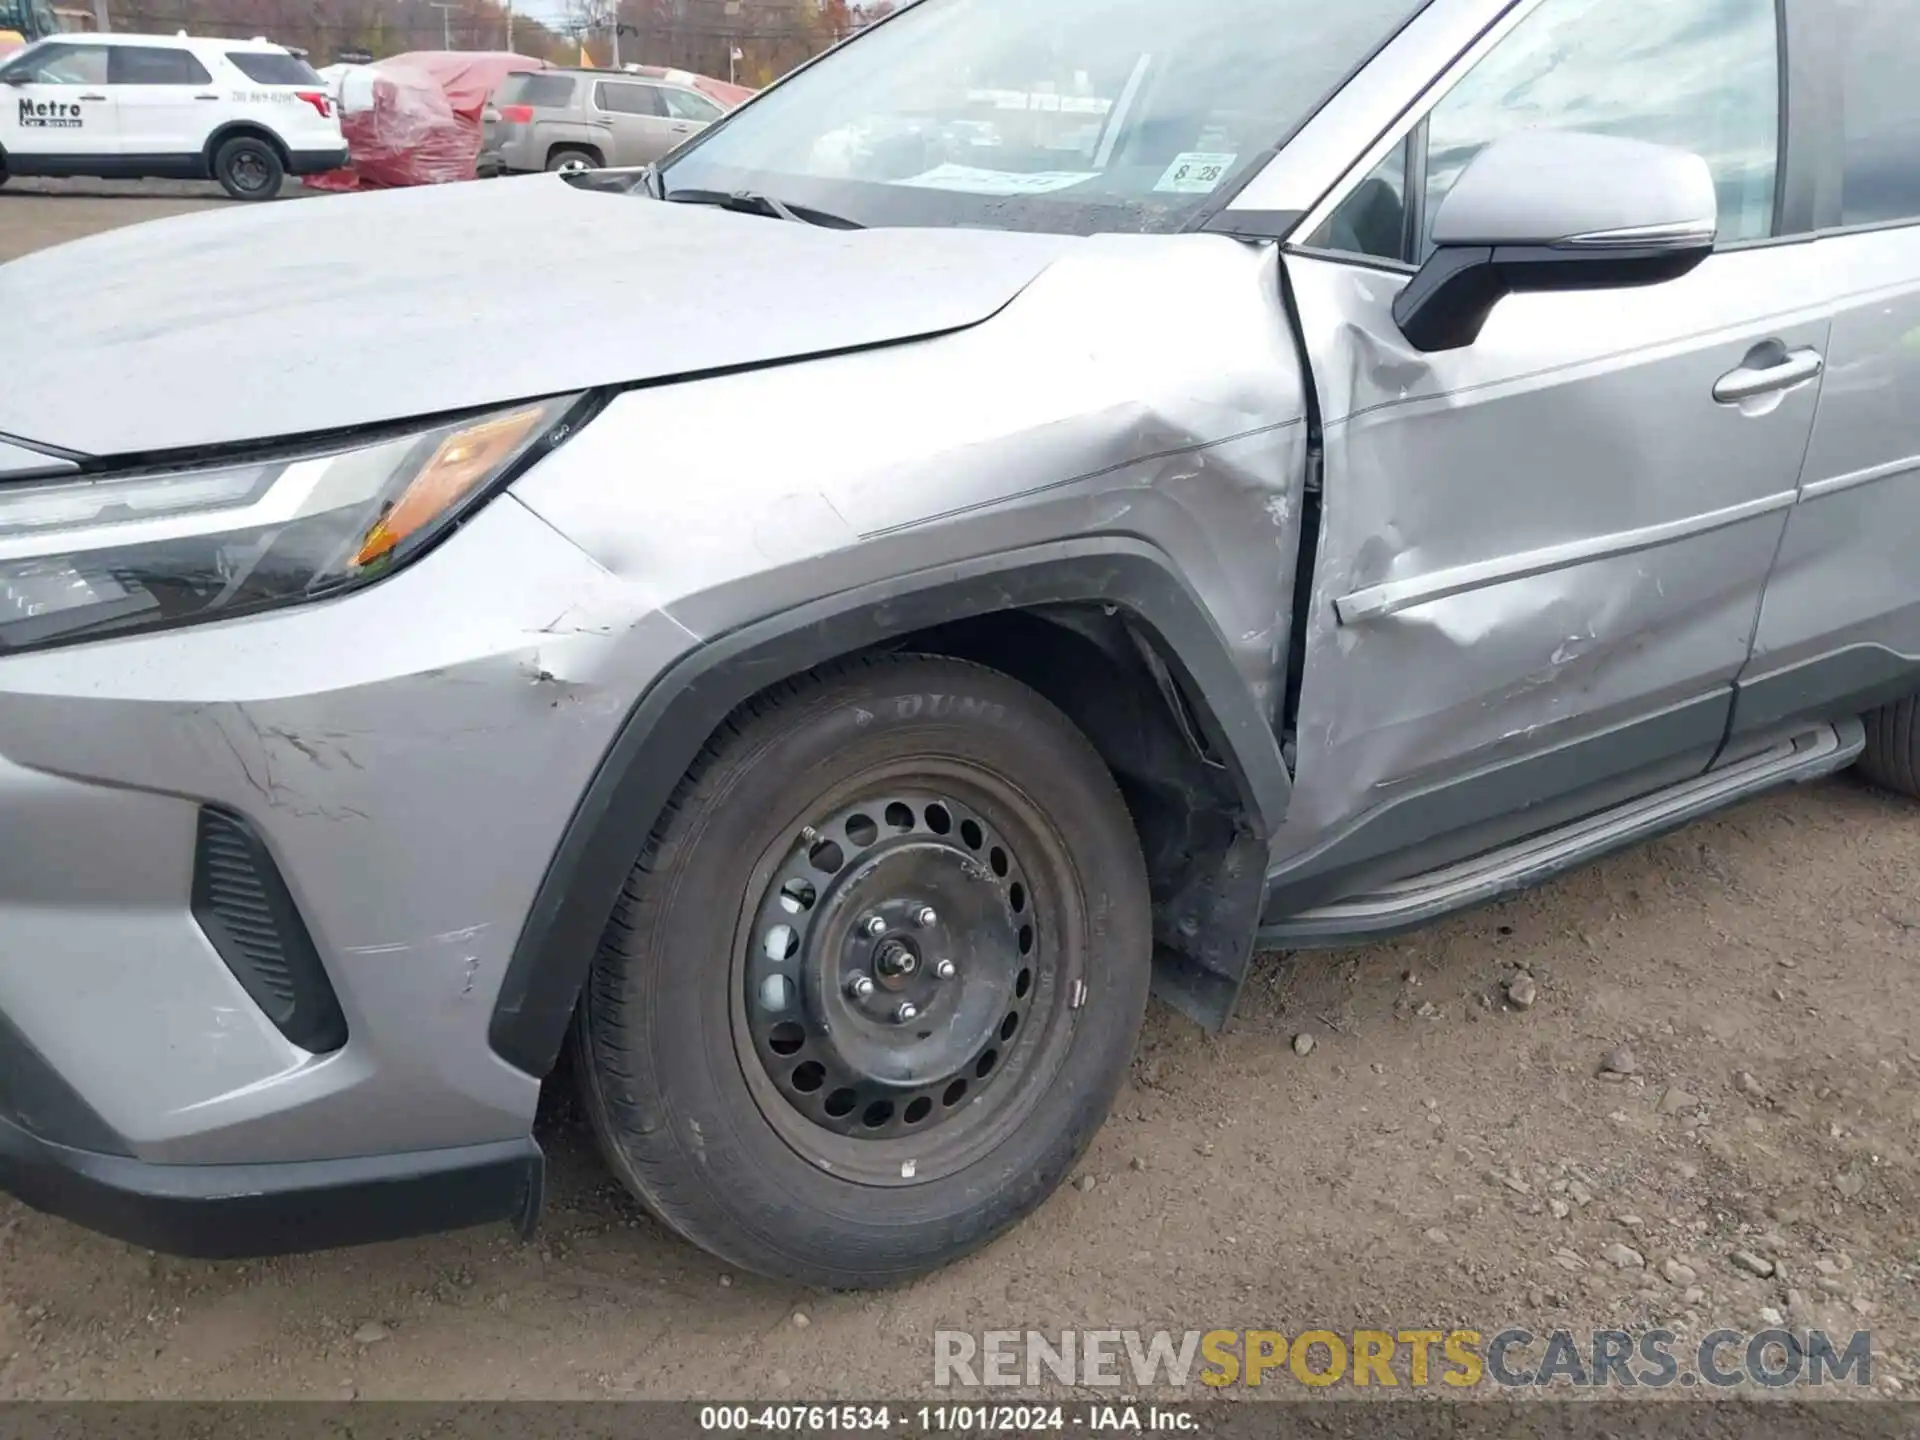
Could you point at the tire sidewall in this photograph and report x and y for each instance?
(689, 1098)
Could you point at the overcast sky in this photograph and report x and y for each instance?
(542, 10)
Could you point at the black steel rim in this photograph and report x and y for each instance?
(900, 998)
(249, 171)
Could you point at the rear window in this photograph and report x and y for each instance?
(263, 67)
(549, 92)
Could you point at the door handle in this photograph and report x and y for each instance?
(206, 97)
(93, 97)
(1785, 369)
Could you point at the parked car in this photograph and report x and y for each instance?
(561, 119)
(819, 630)
(243, 112)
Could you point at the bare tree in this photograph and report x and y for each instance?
(590, 18)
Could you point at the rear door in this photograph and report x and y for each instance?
(1542, 555)
(637, 116)
(165, 97)
(56, 108)
(1840, 629)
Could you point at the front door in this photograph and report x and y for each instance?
(1541, 556)
(55, 109)
(637, 115)
(166, 98)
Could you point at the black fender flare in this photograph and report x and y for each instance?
(673, 719)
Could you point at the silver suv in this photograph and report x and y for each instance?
(1039, 503)
(562, 119)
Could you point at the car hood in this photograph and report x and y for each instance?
(243, 325)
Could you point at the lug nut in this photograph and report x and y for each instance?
(924, 916)
(944, 969)
(907, 1011)
(874, 926)
(860, 987)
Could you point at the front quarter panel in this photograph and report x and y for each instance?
(1141, 387)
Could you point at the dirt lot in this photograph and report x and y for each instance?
(1439, 1157)
(37, 213)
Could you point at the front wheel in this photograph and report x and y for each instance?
(876, 979)
(249, 169)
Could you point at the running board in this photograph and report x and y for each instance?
(1407, 904)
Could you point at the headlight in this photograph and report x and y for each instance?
(82, 559)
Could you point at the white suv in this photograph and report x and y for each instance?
(244, 112)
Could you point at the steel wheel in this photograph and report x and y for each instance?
(249, 171)
(873, 983)
(896, 981)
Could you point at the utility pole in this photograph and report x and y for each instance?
(100, 20)
(509, 24)
(446, 9)
(616, 34)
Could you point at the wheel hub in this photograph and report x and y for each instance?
(890, 962)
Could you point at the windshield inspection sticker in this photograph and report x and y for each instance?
(972, 181)
(1195, 173)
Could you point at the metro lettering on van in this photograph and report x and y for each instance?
(51, 115)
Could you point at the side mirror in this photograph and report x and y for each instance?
(1557, 210)
(14, 77)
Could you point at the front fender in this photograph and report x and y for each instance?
(672, 721)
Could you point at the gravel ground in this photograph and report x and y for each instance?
(1569, 1111)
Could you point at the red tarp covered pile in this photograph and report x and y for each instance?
(415, 119)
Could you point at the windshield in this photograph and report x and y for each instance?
(1072, 116)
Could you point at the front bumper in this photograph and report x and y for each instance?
(221, 1212)
(409, 758)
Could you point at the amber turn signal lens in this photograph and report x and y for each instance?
(463, 460)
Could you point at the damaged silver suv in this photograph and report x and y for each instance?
(1040, 502)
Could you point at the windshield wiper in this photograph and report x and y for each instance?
(749, 202)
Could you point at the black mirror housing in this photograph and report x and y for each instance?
(1451, 297)
(1557, 210)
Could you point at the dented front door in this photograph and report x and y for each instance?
(1541, 556)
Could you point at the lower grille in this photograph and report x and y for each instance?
(247, 913)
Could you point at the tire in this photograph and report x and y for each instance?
(248, 168)
(699, 1105)
(567, 155)
(1892, 756)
